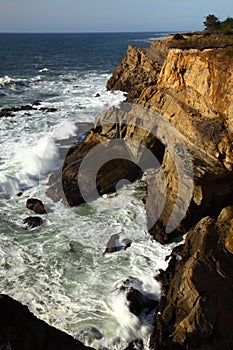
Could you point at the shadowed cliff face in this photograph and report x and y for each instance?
(196, 309)
(21, 330)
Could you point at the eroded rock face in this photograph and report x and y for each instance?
(136, 71)
(196, 310)
(194, 92)
(21, 330)
(114, 150)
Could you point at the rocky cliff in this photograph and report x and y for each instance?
(181, 111)
(194, 92)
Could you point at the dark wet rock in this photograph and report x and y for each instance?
(19, 194)
(98, 165)
(48, 109)
(135, 345)
(97, 95)
(36, 205)
(21, 330)
(139, 300)
(126, 243)
(196, 307)
(113, 244)
(89, 334)
(36, 103)
(6, 113)
(32, 222)
(95, 180)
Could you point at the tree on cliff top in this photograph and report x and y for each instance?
(227, 25)
(211, 22)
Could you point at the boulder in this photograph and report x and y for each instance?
(32, 222)
(36, 205)
(21, 330)
(138, 300)
(114, 244)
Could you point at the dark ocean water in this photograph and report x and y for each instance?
(24, 56)
(71, 289)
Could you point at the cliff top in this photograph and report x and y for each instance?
(198, 40)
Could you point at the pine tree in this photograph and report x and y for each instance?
(211, 22)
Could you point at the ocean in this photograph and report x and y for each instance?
(59, 270)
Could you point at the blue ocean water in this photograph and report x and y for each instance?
(25, 56)
(59, 270)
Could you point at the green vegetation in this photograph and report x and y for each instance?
(216, 34)
(213, 25)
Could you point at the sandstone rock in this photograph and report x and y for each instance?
(212, 190)
(114, 150)
(36, 205)
(196, 310)
(21, 330)
(137, 71)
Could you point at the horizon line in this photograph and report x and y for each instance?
(96, 32)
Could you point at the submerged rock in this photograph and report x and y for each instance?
(89, 334)
(21, 330)
(135, 345)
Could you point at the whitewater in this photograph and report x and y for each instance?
(59, 270)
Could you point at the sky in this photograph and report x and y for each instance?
(109, 15)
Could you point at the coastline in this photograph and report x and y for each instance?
(165, 81)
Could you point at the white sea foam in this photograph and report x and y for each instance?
(59, 271)
(5, 80)
(40, 159)
(65, 130)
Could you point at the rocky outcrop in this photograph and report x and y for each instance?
(138, 70)
(194, 92)
(196, 309)
(21, 330)
(114, 150)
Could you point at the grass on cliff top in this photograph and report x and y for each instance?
(201, 41)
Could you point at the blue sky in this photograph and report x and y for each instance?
(109, 15)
